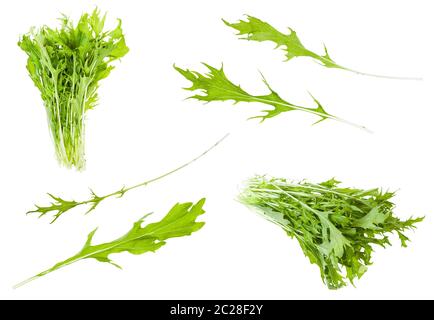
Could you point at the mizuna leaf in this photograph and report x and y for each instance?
(215, 86)
(372, 220)
(336, 227)
(179, 222)
(60, 206)
(257, 30)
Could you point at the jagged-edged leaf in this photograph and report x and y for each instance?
(215, 86)
(61, 206)
(257, 30)
(179, 221)
(336, 227)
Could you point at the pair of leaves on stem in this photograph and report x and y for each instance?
(215, 85)
(180, 221)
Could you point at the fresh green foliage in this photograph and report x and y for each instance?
(257, 30)
(215, 86)
(336, 227)
(59, 206)
(179, 222)
(66, 65)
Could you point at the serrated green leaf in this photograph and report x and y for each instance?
(180, 221)
(215, 86)
(372, 220)
(255, 29)
(61, 206)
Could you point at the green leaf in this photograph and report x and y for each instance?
(333, 240)
(215, 86)
(60, 206)
(255, 29)
(180, 221)
(372, 220)
(119, 50)
(336, 227)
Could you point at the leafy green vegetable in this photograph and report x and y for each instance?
(336, 227)
(179, 222)
(215, 86)
(59, 206)
(66, 65)
(257, 30)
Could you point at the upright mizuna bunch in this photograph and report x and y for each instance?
(66, 65)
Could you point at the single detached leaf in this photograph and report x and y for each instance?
(336, 227)
(215, 86)
(179, 222)
(255, 29)
(60, 206)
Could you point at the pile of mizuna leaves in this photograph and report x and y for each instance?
(66, 65)
(336, 227)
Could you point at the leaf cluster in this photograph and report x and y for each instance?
(336, 227)
(66, 65)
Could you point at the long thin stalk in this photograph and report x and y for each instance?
(384, 76)
(328, 116)
(333, 64)
(60, 206)
(142, 184)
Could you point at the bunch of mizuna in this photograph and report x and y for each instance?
(336, 227)
(66, 65)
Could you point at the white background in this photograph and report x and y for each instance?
(143, 127)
